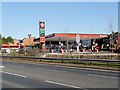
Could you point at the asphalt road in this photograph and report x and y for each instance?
(32, 75)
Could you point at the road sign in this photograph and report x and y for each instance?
(77, 38)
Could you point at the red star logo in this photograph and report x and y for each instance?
(42, 25)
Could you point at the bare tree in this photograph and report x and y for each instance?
(112, 29)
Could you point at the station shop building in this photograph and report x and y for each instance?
(68, 40)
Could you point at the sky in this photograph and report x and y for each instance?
(22, 18)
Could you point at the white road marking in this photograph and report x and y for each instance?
(87, 68)
(115, 77)
(14, 74)
(62, 84)
(15, 65)
(64, 71)
(54, 70)
(101, 70)
(103, 76)
(2, 66)
(57, 70)
(98, 75)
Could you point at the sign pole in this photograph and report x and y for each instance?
(42, 35)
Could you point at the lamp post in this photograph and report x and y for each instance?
(59, 44)
(29, 35)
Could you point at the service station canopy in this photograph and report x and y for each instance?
(72, 37)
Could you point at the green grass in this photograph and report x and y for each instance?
(85, 63)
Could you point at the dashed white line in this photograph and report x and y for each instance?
(55, 70)
(58, 70)
(88, 68)
(14, 74)
(15, 65)
(98, 75)
(101, 70)
(114, 77)
(72, 86)
(64, 71)
(103, 76)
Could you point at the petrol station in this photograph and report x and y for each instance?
(64, 42)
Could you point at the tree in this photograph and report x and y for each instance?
(9, 39)
(4, 40)
(112, 29)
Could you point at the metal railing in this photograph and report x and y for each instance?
(62, 59)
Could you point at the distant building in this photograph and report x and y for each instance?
(28, 41)
(17, 45)
(10, 48)
(16, 41)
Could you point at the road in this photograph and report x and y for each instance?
(34, 75)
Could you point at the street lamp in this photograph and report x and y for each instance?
(29, 35)
(59, 44)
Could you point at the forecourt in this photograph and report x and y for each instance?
(36, 75)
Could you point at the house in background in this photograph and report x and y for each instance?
(9, 48)
(15, 47)
(28, 42)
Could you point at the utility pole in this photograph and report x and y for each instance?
(59, 44)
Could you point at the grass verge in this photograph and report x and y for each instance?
(73, 62)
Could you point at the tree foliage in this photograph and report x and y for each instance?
(8, 39)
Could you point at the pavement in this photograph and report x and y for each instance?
(33, 75)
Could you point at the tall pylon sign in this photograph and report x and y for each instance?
(42, 32)
(42, 35)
